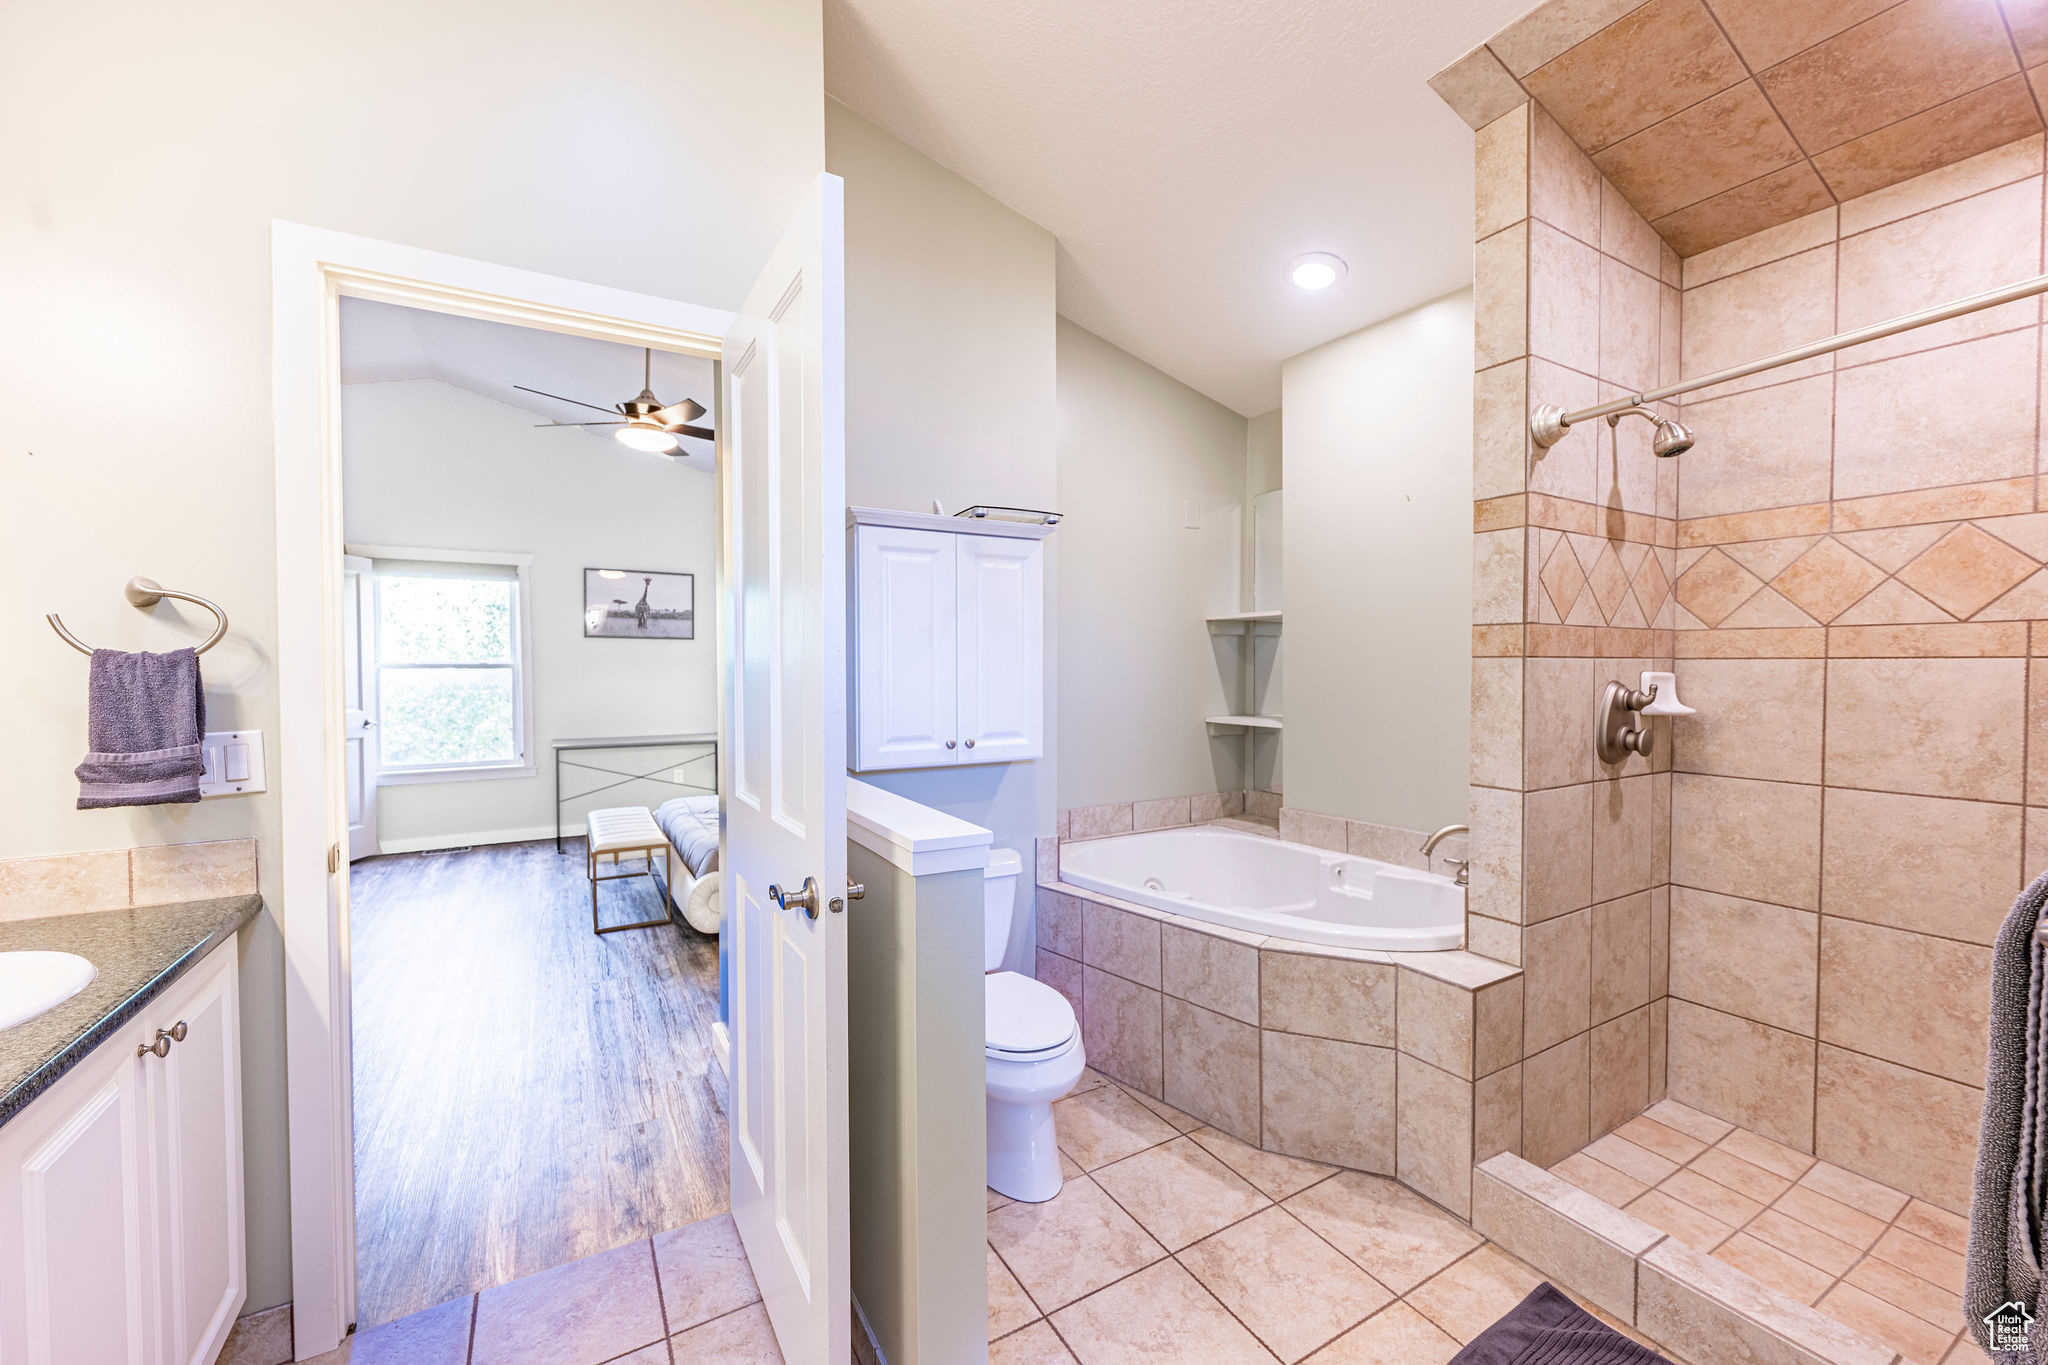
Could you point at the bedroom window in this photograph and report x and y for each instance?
(450, 676)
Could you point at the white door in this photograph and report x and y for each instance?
(905, 669)
(1002, 680)
(357, 602)
(783, 474)
(196, 1105)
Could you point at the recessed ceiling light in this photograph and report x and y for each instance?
(1315, 270)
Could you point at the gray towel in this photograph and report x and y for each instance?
(2004, 1264)
(145, 716)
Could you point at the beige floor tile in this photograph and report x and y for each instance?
(1966, 1352)
(1182, 1123)
(1159, 1316)
(1396, 1335)
(1178, 1192)
(1293, 1289)
(1759, 1150)
(1090, 1080)
(1936, 1264)
(1711, 1197)
(1837, 1220)
(1740, 1176)
(704, 1272)
(575, 1314)
(656, 1354)
(1689, 1121)
(1599, 1178)
(1858, 1192)
(1629, 1159)
(1275, 1175)
(435, 1336)
(1669, 1143)
(1919, 1342)
(1399, 1238)
(1780, 1270)
(1071, 1245)
(1700, 1231)
(1037, 1344)
(1105, 1125)
(739, 1338)
(1009, 1307)
(996, 1201)
(1810, 1245)
(1903, 1289)
(1473, 1294)
(1936, 1225)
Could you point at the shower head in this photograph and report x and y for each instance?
(1671, 437)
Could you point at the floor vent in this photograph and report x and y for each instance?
(444, 852)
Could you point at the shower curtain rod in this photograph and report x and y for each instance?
(1547, 423)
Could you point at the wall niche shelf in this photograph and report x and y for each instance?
(1247, 722)
(1246, 619)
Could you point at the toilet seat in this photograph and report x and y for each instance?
(1027, 1020)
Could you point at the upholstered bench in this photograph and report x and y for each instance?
(620, 830)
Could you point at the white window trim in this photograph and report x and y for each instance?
(526, 765)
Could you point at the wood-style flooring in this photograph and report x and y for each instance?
(526, 1093)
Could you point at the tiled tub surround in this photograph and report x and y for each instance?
(1385, 1062)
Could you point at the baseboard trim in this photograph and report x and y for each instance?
(431, 842)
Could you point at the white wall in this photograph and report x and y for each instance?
(1139, 668)
(149, 148)
(1378, 564)
(950, 394)
(430, 466)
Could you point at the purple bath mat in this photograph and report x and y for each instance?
(1549, 1329)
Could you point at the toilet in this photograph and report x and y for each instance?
(1033, 1050)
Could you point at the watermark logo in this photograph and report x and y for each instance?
(2009, 1324)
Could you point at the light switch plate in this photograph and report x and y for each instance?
(234, 763)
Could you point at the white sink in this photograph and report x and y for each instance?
(32, 982)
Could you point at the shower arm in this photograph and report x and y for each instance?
(1547, 424)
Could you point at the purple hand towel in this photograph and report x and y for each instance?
(1549, 1329)
(146, 714)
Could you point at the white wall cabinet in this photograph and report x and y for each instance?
(948, 641)
(121, 1232)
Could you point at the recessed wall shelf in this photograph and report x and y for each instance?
(1245, 618)
(1247, 722)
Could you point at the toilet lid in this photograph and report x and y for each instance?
(1026, 1016)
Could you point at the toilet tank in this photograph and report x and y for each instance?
(999, 903)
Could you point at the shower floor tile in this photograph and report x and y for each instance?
(1865, 1254)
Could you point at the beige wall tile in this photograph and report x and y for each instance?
(1935, 418)
(1564, 189)
(1704, 1310)
(2037, 733)
(1630, 324)
(1212, 1068)
(1924, 863)
(1388, 844)
(1435, 1022)
(1500, 155)
(1905, 997)
(1059, 923)
(1558, 851)
(1562, 1231)
(1559, 704)
(1497, 1026)
(1938, 727)
(1556, 977)
(1329, 1101)
(1759, 248)
(1757, 718)
(1211, 971)
(1312, 828)
(1119, 941)
(1497, 722)
(1434, 1134)
(1500, 297)
(1568, 469)
(1626, 235)
(1478, 88)
(1771, 307)
(1095, 822)
(1624, 837)
(1497, 576)
(1913, 1132)
(1766, 32)
(1772, 447)
(1496, 889)
(1163, 814)
(1660, 941)
(1497, 1113)
(1973, 175)
(1619, 1055)
(1620, 956)
(1752, 1075)
(1120, 1028)
(1745, 957)
(1063, 975)
(1500, 430)
(63, 884)
(1548, 30)
(1564, 299)
(1556, 1102)
(1497, 939)
(190, 872)
(1759, 840)
(1660, 1048)
(1328, 997)
(1682, 39)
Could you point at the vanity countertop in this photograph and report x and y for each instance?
(138, 954)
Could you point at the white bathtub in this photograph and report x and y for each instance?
(1268, 886)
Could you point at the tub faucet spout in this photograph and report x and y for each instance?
(1464, 877)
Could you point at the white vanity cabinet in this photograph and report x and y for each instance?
(947, 640)
(121, 1233)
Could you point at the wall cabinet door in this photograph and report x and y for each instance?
(904, 688)
(1002, 665)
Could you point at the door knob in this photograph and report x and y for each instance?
(805, 900)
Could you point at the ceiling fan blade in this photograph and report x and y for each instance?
(620, 423)
(688, 410)
(559, 399)
(701, 433)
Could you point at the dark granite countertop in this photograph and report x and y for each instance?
(138, 953)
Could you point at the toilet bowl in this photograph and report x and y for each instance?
(1033, 1050)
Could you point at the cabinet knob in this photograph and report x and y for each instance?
(161, 1047)
(970, 744)
(178, 1031)
(951, 743)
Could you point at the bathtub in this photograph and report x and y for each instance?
(1268, 886)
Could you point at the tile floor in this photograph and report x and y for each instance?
(1863, 1253)
(1174, 1242)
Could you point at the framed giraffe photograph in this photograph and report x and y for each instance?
(639, 604)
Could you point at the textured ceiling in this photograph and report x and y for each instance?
(1182, 151)
(384, 341)
(1719, 118)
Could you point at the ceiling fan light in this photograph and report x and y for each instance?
(647, 436)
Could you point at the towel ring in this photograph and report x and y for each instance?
(147, 592)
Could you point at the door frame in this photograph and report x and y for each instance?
(312, 269)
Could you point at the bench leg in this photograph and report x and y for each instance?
(646, 853)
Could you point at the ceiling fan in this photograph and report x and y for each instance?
(644, 423)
